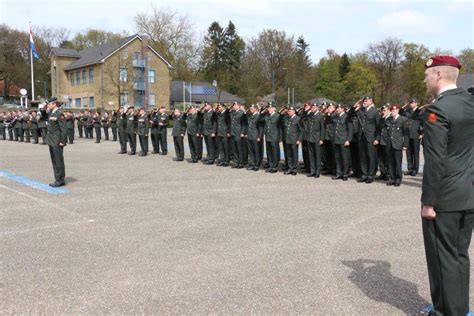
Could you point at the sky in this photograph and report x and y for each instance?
(342, 25)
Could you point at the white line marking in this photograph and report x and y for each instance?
(45, 203)
(13, 232)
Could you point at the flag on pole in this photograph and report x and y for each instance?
(32, 46)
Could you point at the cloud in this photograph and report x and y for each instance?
(408, 22)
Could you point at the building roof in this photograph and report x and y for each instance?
(98, 54)
(65, 52)
(200, 92)
(465, 81)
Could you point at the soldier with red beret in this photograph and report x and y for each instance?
(448, 186)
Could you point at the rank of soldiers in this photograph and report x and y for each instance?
(335, 140)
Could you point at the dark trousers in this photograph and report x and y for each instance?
(123, 141)
(292, 154)
(253, 153)
(193, 141)
(314, 157)
(17, 134)
(273, 149)
(43, 131)
(97, 134)
(413, 155)
(341, 154)
(329, 158)
(154, 142)
(21, 134)
(305, 150)
(114, 133)
(223, 147)
(355, 159)
(143, 143)
(106, 133)
(10, 134)
(199, 147)
(368, 158)
(90, 132)
(57, 159)
(132, 142)
(395, 164)
(163, 142)
(34, 133)
(210, 147)
(285, 153)
(383, 160)
(245, 151)
(179, 146)
(27, 135)
(237, 150)
(447, 240)
(81, 130)
(70, 135)
(3, 133)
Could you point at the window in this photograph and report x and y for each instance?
(71, 78)
(91, 75)
(124, 54)
(84, 101)
(124, 98)
(84, 76)
(151, 76)
(78, 78)
(69, 102)
(123, 74)
(151, 99)
(77, 102)
(91, 102)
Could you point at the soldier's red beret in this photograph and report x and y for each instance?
(443, 60)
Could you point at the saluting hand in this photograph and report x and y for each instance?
(428, 212)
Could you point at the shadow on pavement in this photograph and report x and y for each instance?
(375, 280)
(70, 179)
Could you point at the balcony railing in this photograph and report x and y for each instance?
(139, 63)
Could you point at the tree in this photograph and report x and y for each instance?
(212, 60)
(344, 66)
(466, 58)
(172, 36)
(360, 80)
(386, 58)
(413, 69)
(94, 37)
(328, 82)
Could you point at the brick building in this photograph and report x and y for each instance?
(124, 72)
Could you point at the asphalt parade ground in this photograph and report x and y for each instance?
(133, 234)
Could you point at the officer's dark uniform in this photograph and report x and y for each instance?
(113, 126)
(396, 140)
(448, 186)
(26, 128)
(96, 123)
(223, 135)
(34, 128)
(42, 129)
(329, 160)
(105, 126)
(163, 120)
(90, 126)
(354, 149)
(272, 141)
(382, 151)
(131, 132)
(283, 123)
(70, 128)
(292, 138)
(315, 131)
(178, 132)
(194, 128)
(368, 122)
(57, 133)
(18, 128)
(342, 134)
(143, 127)
(413, 125)
(209, 128)
(304, 139)
(254, 135)
(122, 131)
(154, 117)
(237, 128)
(80, 125)
(2, 127)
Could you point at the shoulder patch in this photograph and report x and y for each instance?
(432, 118)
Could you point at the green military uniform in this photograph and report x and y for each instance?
(96, 123)
(396, 139)
(223, 134)
(179, 129)
(272, 141)
(329, 161)
(42, 129)
(293, 134)
(3, 134)
(315, 131)
(413, 126)
(80, 125)
(70, 128)
(143, 128)
(105, 125)
(26, 127)
(163, 120)
(131, 132)
(254, 136)
(342, 133)
(122, 131)
(194, 128)
(34, 128)
(448, 186)
(113, 126)
(237, 129)
(57, 134)
(209, 130)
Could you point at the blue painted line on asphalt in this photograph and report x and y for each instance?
(32, 183)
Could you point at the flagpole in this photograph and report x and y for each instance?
(32, 77)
